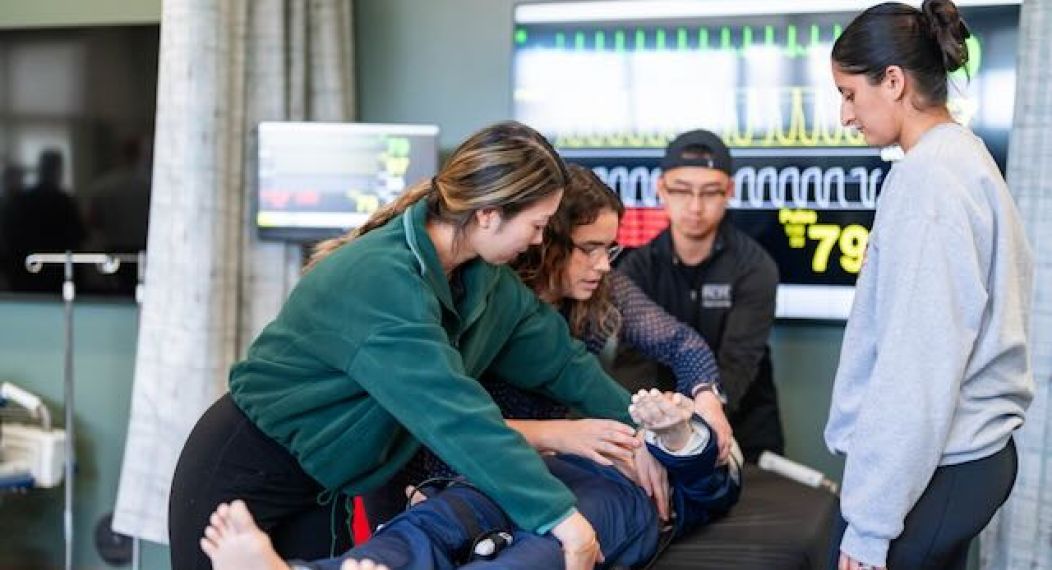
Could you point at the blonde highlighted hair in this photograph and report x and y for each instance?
(507, 166)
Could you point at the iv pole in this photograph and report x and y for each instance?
(140, 294)
(106, 264)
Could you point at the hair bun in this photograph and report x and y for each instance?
(949, 31)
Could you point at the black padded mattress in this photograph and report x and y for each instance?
(778, 524)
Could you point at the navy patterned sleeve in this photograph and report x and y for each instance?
(661, 337)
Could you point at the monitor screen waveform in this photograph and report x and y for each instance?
(317, 180)
(611, 83)
(755, 83)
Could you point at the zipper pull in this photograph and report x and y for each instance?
(694, 295)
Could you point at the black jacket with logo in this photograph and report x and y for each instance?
(731, 303)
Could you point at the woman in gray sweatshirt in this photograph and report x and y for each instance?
(934, 373)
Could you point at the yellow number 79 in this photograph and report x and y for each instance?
(852, 241)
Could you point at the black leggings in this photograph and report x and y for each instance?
(227, 458)
(957, 504)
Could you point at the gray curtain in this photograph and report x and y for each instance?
(211, 285)
(1020, 537)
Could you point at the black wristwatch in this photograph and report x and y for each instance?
(713, 387)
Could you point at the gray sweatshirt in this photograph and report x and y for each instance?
(934, 369)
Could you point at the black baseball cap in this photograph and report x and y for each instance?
(683, 151)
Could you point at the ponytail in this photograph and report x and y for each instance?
(949, 30)
(380, 217)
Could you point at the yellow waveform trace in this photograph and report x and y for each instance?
(732, 134)
(797, 119)
(569, 141)
(762, 125)
(769, 129)
(636, 140)
(595, 140)
(657, 140)
(616, 140)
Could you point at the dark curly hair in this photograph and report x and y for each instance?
(541, 268)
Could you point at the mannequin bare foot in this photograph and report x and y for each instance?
(232, 541)
(362, 565)
(667, 415)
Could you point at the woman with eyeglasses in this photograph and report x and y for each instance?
(571, 271)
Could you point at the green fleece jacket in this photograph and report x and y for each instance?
(372, 356)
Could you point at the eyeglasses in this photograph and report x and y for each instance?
(595, 251)
(687, 194)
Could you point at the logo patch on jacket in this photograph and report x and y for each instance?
(716, 296)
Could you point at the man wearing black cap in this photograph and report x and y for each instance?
(714, 277)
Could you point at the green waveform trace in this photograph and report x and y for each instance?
(746, 36)
(727, 36)
(821, 130)
(792, 48)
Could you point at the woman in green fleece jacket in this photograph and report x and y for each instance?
(378, 349)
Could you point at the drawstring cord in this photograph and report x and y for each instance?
(328, 497)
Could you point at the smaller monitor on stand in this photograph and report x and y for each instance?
(317, 180)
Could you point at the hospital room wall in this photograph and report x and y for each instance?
(62, 13)
(31, 355)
